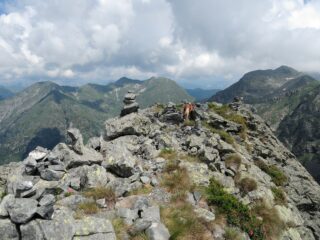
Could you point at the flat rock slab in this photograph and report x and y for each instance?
(21, 210)
(8, 230)
(91, 225)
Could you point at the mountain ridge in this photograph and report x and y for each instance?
(86, 107)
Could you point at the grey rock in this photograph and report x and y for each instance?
(130, 108)
(139, 226)
(132, 124)
(151, 214)
(145, 180)
(62, 225)
(119, 159)
(31, 231)
(8, 230)
(94, 143)
(45, 211)
(38, 154)
(57, 167)
(48, 199)
(128, 215)
(76, 140)
(91, 226)
(51, 175)
(23, 186)
(154, 182)
(4, 204)
(30, 165)
(96, 176)
(157, 231)
(205, 214)
(71, 201)
(21, 210)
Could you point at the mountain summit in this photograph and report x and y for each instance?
(222, 175)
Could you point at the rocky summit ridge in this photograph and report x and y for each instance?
(222, 175)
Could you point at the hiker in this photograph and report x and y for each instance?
(188, 109)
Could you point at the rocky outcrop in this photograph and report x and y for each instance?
(116, 187)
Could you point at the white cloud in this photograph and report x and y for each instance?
(204, 43)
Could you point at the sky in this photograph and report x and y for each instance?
(203, 43)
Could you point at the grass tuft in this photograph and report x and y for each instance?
(182, 223)
(233, 160)
(247, 185)
(100, 193)
(277, 176)
(280, 197)
(232, 234)
(88, 207)
(168, 154)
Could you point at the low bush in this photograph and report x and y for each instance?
(258, 222)
(279, 196)
(247, 185)
(277, 176)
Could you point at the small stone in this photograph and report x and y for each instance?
(101, 203)
(51, 175)
(139, 226)
(48, 199)
(154, 182)
(157, 231)
(205, 214)
(145, 180)
(151, 214)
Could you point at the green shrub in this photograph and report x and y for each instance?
(277, 176)
(247, 185)
(279, 196)
(258, 222)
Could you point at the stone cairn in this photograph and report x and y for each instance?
(130, 104)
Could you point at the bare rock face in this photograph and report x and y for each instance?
(81, 191)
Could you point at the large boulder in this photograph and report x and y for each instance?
(132, 124)
(21, 210)
(8, 230)
(157, 231)
(72, 159)
(119, 158)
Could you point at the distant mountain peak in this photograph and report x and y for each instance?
(286, 70)
(124, 80)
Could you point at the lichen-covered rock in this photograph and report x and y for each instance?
(132, 124)
(21, 210)
(8, 230)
